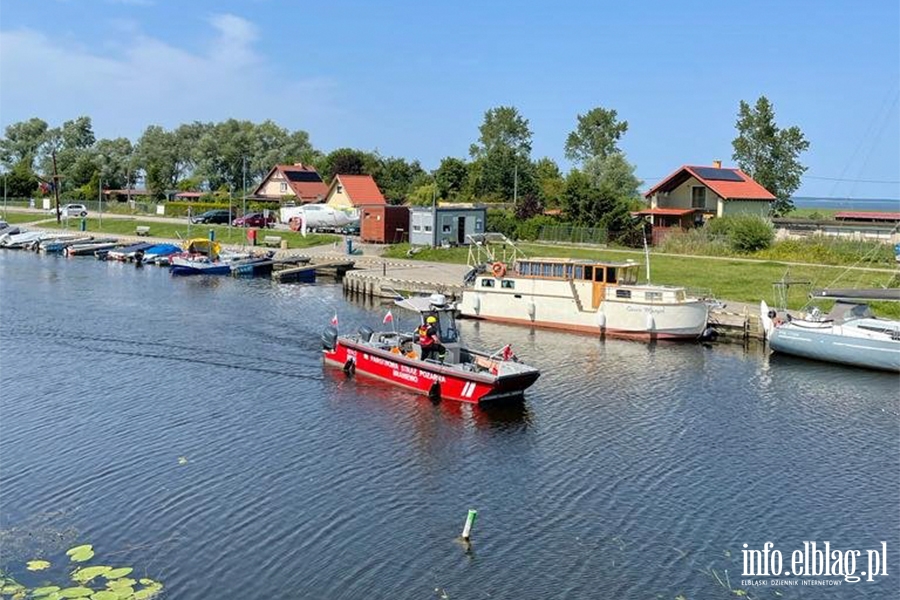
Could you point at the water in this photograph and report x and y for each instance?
(186, 427)
(851, 204)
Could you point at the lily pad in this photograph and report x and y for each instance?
(124, 592)
(76, 592)
(117, 573)
(147, 581)
(44, 591)
(37, 565)
(81, 553)
(104, 595)
(116, 584)
(86, 574)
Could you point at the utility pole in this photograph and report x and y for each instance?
(100, 201)
(516, 184)
(56, 189)
(5, 175)
(244, 184)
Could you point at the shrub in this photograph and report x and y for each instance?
(502, 221)
(750, 233)
(530, 229)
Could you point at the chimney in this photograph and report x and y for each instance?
(717, 164)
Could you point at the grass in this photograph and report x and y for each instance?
(732, 279)
(181, 231)
(19, 217)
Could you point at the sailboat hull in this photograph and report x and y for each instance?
(834, 344)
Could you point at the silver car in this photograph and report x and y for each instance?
(74, 210)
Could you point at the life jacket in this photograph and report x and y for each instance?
(424, 334)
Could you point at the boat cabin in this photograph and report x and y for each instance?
(578, 270)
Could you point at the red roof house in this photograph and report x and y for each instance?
(352, 191)
(298, 180)
(706, 192)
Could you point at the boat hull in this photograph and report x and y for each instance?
(428, 378)
(829, 345)
(183, 270)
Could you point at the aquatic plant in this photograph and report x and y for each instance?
(94, 582)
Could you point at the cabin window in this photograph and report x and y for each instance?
(579, 272)
(546, 269)
(623, 293)
(653, 296)
(589, 273)
(508, 284)
(698, 197)
(558, 270)
(568, 271)
(487, 283)
(611, 275)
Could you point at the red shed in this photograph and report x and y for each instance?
(384, 224)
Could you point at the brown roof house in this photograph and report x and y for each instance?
(349, 192)
(693, 194)
(298, 180)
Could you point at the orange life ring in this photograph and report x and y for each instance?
(498, 269)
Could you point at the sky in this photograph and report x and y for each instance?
(413, 79)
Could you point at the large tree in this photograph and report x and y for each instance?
(503, 127)
(769, 154)
(613, 175)
(596, 135)
(451, 177)
(21, 142)
(395, 177)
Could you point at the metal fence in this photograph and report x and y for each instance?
(574, 235)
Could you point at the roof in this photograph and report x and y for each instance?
(360, 189)
(730, 184)
(190, 194)
(677, 212)
(303, 180)
(867, 216)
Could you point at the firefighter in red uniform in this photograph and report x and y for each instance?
(428, 338)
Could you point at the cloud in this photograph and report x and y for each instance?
(132, 80)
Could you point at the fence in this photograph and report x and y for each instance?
(574, 235)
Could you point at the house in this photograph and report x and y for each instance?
(693, 194)
(445, 225)
(350, 192)
(302, 182)
(384, 224)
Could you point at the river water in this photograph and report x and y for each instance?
(186, 427)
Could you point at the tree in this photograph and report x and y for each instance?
(20, 182)
(503, 127)
(596, 135)
(549, 181)
(395, 178)
(578, 197)
(451, 177)
(21, 143)
(613, 175)
(347, 161)
(768, 154)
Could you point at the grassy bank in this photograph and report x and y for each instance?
(731, 279)
(181, 231)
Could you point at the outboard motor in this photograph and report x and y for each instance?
(329, 338)
(365, 333)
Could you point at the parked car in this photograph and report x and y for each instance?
(212, 216)
(254, 220)
(74, 210)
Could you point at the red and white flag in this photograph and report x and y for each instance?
(507, 352)
(334, 320)
(388, 318)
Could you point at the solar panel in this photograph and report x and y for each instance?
(717, 174)
(303, 176)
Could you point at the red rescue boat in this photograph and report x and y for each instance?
(458, 373)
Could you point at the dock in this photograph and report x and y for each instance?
(284, 272)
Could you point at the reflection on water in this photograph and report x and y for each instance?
(629, 471)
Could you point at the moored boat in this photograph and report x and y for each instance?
(586, 296)
(461, 373)
(848, 335)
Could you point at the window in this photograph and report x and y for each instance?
(417, 228)
(579, 272)
(445, 228)
(623, 293)
(340, 189)
(558, 270)
(428, 228)
(610, 276)
(478, 225)
(698, 197)
(589, 273)
(568, 271)
(282, 187)
(487, 283)
(653, 296)
(508, 284)
(546, 269)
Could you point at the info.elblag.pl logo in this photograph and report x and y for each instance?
(815, 560)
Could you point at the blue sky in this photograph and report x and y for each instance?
(413, 79)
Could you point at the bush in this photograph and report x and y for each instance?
(750, 233)
(699, 242)
(502, 221)
(530, 229)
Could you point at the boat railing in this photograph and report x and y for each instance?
(490, 248)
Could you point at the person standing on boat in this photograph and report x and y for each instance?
(429, 339)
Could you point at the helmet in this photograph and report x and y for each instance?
(431, 319)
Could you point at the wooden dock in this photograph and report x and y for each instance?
(312, 269)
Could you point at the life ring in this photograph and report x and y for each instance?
(498, 269)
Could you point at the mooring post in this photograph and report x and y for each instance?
(470, 522)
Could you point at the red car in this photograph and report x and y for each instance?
(256, 219)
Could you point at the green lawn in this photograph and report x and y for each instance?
(22, 217)
(181, 231)
(736, 280)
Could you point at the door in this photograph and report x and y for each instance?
(599, 285)
(460, 230)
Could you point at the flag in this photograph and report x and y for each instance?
(334, 320)
(303, 226)
(388, 318)
(507, 352)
